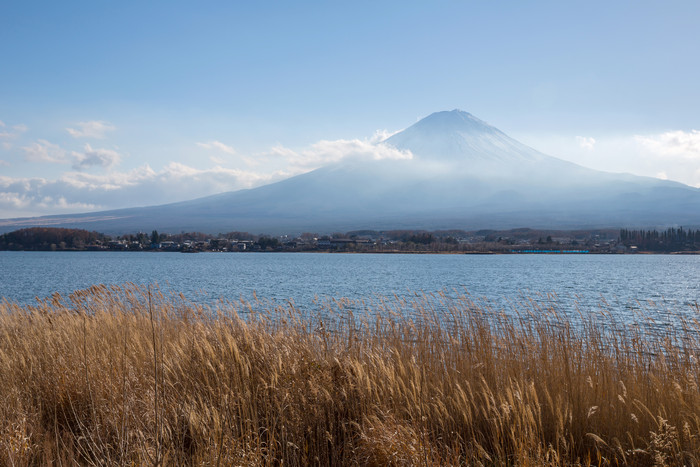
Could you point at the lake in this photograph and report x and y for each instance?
(623, 282)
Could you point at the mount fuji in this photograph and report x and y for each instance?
(459, 173)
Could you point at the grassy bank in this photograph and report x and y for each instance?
(128, 376)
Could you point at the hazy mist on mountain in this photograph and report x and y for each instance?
(459, 172)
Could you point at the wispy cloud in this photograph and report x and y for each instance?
(79, 191)
(13, 201)
(44, 151)
(684, 144)
(382, 135)
(93, 129)
(4, 163)
(16, 204)
(586, 142)
(7, 137)
(219, 146)
(106, 158)
(674, 155)
(61, 204)
(325, 152)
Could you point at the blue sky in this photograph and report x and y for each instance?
(114, 104)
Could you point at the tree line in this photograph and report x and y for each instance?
(672, 239)
(669, 240)
(50, 238)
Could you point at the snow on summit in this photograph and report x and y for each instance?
(459, 136)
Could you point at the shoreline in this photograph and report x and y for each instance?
(389, 252)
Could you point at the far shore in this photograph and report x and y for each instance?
(514, 241)
(386, 252)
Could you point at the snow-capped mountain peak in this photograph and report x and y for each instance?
(461, 137)
(464, 174)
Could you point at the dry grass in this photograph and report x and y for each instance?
(128, 376)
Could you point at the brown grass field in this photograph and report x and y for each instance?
(128, 376)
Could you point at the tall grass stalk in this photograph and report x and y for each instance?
(128, 375)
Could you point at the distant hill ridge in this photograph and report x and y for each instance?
(464, 174)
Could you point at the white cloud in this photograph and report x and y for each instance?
(63, 205)
(92, 129)
(95, 158)
(14, 204)
(16, 130)
(7, 137)
(219, 146)
(13, 200)
(382, 135)
(325, 152)
(77, 191)
(586, 142)
(684, 144)
(281, 151)
(674, 154)
(43, 151)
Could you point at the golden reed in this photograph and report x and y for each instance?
(130, 376)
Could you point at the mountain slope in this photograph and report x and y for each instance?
(464, 173)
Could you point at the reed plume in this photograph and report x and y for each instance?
(130, 375)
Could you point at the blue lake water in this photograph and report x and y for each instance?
(624, 282)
